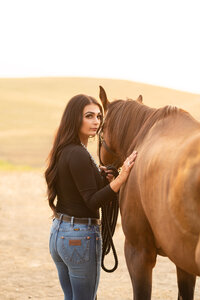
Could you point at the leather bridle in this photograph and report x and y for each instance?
(102, 143)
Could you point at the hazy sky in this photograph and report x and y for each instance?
(152, 41)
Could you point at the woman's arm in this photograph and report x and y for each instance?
(82, 171)
(122, 177)
(84, 176)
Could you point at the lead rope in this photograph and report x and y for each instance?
(109, 215)
(109, 220)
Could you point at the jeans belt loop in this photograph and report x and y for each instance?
(60, 218)
(72, 222)
(89, 222)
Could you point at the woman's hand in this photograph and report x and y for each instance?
(109, 175)
(129, 162)
(127, 166)
(122, 177)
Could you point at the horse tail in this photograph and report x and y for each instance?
(185, 188)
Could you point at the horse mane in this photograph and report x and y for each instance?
(155, 116)
(128, 118)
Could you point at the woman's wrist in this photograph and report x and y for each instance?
(116, 183)
(122, 177)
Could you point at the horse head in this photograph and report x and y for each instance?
(107, 154)
(110, 141)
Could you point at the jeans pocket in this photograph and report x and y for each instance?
(74, 249)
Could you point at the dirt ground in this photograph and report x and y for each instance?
(26, 268)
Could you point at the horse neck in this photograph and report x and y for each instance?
(155, 115)
(129, 127)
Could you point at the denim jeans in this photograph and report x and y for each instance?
(76, 251)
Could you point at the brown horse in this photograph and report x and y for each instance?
(160, 202)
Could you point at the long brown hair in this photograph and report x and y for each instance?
(67, 133)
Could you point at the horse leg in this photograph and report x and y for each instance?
(140, 262)
(186, 284)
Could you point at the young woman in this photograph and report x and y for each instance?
(73, 177)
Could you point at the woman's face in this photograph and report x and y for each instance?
(91, 121)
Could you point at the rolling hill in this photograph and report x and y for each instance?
(31, 109)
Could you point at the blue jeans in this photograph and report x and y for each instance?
(76, 251)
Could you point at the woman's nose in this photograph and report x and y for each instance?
(96, 120)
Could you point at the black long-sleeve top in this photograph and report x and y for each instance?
(79, 184)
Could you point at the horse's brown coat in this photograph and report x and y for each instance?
(160, 202)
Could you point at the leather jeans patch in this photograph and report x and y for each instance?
(74, 242)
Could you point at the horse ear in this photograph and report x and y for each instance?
(140, 99)
(103, 97)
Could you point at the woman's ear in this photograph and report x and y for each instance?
(103, 97)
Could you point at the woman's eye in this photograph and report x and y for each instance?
(91, 116)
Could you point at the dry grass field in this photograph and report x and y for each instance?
(30, 111)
